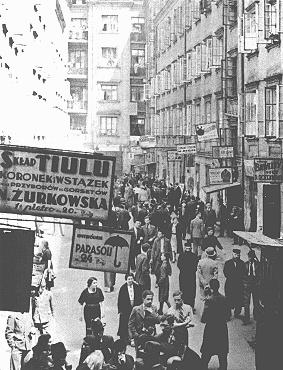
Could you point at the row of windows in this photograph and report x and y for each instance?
(261, 16)
(173, 121)
(198, 60)
(107, 92)
(108, 126)
(273, 111)
(110, 24)
(109, 58)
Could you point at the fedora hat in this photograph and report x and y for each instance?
(210, 252)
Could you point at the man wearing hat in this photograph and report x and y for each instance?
(251, 285)
(136, 242)
(207, 269)
(234, 271)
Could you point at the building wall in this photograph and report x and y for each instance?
(102, 34)
(34, 94)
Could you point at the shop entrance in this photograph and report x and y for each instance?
(271, 211)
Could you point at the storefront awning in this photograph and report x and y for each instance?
(214, 188)
(257, 238)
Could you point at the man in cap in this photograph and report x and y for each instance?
(207, 269)
(251, 285)
(234, 271)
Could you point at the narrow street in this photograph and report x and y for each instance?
(69, 284)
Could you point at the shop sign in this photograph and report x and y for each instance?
(173, 156)
(268, 170)
(147, 141)
(209, 132)
(187, 149)
(100, 249)
(53, 183)
(221, 175)
(222, 152)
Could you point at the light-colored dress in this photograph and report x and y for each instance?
(173, 240)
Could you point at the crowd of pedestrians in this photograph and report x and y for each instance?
(168, 226)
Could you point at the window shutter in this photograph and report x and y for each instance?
(184, 71)
(204, 57)
(251, 29)
(188, 13)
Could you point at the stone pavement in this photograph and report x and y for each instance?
(69, 283)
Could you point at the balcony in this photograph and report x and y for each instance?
(77, 106)
(78, 35)
(77, 72)
(138, 71)
(137, 37)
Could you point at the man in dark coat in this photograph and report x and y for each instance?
(177, 196)
(187, 264)
(209, 217)
(251, 285)
(215, 336)
(149, 230)
(136, 242)
(161, 245)
(234, 271)
(130, 295)
(139, 212)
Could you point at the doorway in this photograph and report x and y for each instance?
(271, 211)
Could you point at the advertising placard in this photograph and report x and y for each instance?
(268, 170)
(147, 141)
(100, 249)
(222, 152)
(173, 156)
(187, 149)
(209, 132)
(220, 175)
(53, 183)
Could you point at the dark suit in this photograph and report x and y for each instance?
(156, 255)
(187, 264)
(141, 319)
(149, 233)
(125, 307)
(251, 288)
(139, 214)
(136, 242)
(179, 237)
(143, 272)
(215, 336)
(234, 285)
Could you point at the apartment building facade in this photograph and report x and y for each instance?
(262, 119)
(192, 100)
(33, 61)
(106, 73)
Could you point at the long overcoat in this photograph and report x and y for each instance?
(234, 284)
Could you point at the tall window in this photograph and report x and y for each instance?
(270, 19)
(197, 114)
(78, 29)
(219, 112)
(108, 126)
(109, 23)
(138, 59)
(207, 111)
(79, 97)
(189, 120)
(78, 61)
(137, 93)
(251, 120)
(108, 92)
(109, 56)
(137, 24)
(250, 29)
(217, 51)
(270, 111)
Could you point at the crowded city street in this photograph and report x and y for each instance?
(141, 184)
(71, 331)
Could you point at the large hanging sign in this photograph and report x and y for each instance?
(220, 175)
(268, 170)
(173, 156)
(100, 249)
(47, 182)
(187, 149)
(207, 132)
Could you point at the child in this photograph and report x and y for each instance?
(163, 282)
